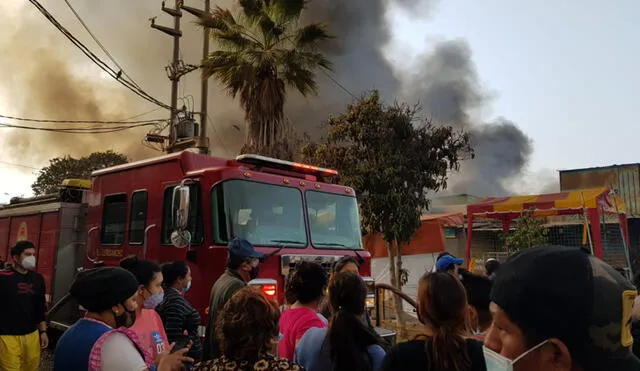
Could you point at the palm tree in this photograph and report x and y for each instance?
(262, 52)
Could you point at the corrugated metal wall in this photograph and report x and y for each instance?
(624, 178)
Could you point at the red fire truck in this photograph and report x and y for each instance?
(186, 206)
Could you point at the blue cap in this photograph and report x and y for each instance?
(446, 262)
(243, 249)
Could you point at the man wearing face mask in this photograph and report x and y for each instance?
(558, 308)
(242, 266)
(22, 311)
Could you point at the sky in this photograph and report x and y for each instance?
(566, 72)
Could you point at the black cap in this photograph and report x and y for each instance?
(99, 289)
(564, 293)
(239, 248)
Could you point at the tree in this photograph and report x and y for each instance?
(391, 158)
(61, 168)
(528, 231)
(261, 52)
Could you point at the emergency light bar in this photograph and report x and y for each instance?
(258, 160)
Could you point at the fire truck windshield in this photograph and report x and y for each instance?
(334, 221)
(269, 214)
(260, 212)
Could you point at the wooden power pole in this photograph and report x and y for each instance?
(203, 139)
(175, 70)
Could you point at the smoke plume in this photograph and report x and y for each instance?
(446, 84)
(52, 79)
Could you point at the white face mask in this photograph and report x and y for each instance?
(29, 262)
(498, 362)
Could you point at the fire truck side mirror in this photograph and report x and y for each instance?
(180, 207)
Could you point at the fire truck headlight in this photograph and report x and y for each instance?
(370, 302)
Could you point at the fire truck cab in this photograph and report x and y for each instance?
(187, 206)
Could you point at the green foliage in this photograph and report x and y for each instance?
(391, 158)
(262, 51)
(61, 168)
(528, 231)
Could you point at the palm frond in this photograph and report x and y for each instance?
(297, 69)
(301, 79)
(310, 60)
(219, 19)
(252, 9)
(288, 9)
(310, 35)
(231, 69)
(233, 40)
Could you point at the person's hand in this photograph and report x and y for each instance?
(173, 361)
(44, 340)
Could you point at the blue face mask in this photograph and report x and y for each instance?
(153, 301)
(188, 286)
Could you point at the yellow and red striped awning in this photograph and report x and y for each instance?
(550, 204)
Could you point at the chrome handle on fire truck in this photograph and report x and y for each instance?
(89, 244)
(146, 240)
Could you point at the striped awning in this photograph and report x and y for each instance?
(550, 204)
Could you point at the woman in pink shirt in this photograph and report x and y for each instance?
(306, 289)
(148, 324)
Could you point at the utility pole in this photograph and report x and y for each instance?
(203, 139)
(175, 70)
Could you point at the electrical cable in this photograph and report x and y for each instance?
(99, 62)
(18, 165)
(100, 44)
(77, 121)
(215, 132)
(335, 81)
(92, 130)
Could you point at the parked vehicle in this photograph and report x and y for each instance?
(187, 206)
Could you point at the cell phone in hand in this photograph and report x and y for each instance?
(181, 343)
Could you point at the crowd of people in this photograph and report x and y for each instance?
(545, 308)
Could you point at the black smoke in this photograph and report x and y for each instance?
(446, 84)
(444, 80)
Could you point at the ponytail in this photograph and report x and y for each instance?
(443, 309)
(348, 339)
(447, 350)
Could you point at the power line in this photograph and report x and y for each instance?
(70, 130)
(335, 81)
(143, 114)
(78, 121)
(215, 132)
(18, 165)
(100, 63)
(100, 44)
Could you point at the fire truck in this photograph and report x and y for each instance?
(187, 206)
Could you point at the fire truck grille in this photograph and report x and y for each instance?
(287, 262)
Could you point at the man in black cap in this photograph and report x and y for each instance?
(558, 308)
(102, 292)
(242, 266)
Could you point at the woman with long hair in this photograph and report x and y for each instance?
(443, 309)
(348, 344)
(344, 264)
